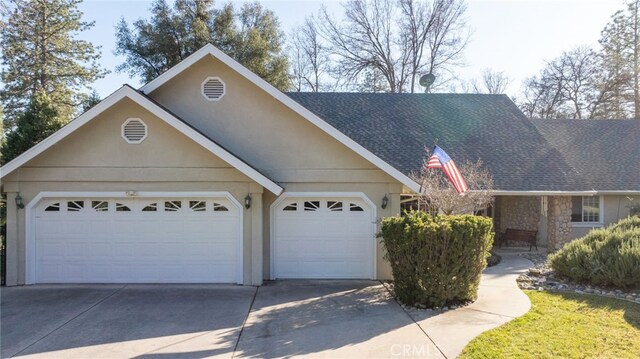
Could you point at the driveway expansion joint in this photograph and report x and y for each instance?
(253, 300)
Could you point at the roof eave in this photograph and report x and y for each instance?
(544, 193)
(287, 101)
(128, 92)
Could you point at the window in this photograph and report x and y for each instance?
(217, 207)
(291, 207)
(334, 206)
(53, 208)
(585, 209)
(75, 206)
(151, 207)
(311, 206)
(100, 206)
(172, 206)
(198, 206)
(122, 208)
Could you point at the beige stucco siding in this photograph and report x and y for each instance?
(278, 142)
(262, 130)
(99, 144)
(95, 158)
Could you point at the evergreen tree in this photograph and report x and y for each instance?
(41, 53)
(620, 42)
(251, 36)
(91, 100)
(2, 134)
(40, 120)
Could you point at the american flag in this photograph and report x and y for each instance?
(440, 159)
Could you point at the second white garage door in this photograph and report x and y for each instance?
(316, 237)
(142, 240)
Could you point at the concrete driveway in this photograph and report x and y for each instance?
(283, 319)
(332, 319)
(191, 321)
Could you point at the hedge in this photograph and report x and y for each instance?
(609, 257)
(436, 260)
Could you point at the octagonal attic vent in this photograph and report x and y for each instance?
(134, 130)
(213, 88)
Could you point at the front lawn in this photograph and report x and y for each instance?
(565, 325)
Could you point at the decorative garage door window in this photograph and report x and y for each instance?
(324, 206)
(137, 205)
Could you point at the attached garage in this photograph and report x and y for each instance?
(95, 239)
(323, 236)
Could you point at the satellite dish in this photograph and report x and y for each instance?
(427, 80)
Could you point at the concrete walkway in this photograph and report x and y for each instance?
(499, 301)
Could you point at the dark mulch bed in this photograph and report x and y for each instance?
(494, 259)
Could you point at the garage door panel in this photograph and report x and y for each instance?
(123, 250)
(192, 244)
(323, 238)
(325, 227)
(49, 227)
(125, 272)
(321, 269)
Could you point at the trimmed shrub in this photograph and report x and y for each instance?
(627, 223)
(436, 261)
(608, 257)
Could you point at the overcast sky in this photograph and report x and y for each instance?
(512, 36)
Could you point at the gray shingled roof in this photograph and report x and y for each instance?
(398, 127)
(606, 153)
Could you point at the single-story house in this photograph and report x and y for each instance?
(586, 172)
(208, 174)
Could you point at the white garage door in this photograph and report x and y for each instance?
(142, 240)
(323, 238)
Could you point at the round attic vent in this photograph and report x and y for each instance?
(134, 131)
(213, 88)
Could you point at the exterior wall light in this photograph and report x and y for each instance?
(385, 201)
(247, 202)
(19, 201)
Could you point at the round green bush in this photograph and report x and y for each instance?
(627, 224)
(436, 261)
(608, 257)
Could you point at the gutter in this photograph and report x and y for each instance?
(557, 193)
(629, 192)
(546, 193)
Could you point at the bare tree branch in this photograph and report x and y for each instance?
(392, 40)
(438, 195)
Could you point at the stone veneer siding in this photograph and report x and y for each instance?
(558, 222)
(518, 212)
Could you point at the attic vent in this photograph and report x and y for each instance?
(213, 88)
(134, 131)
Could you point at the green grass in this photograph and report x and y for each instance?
(564, 325)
